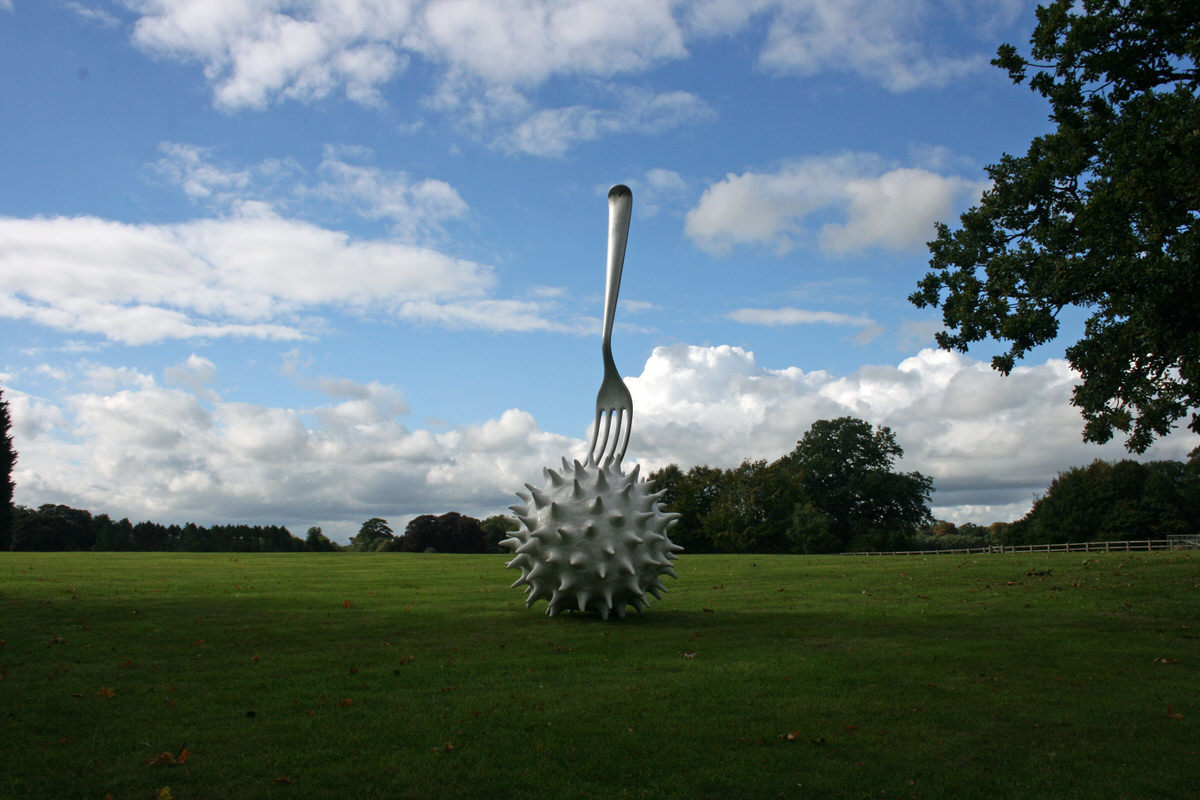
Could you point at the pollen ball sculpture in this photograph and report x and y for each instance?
(594, 538)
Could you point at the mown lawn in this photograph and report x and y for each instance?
(423, 676)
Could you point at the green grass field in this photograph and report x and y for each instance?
(423, 676)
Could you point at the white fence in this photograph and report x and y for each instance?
(1143, 545)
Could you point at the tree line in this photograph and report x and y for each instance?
(52, 527)
(59, 527)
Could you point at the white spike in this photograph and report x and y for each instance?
(539, 497)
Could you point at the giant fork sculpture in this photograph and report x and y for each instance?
(594, 538)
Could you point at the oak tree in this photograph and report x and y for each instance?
(1100, 214)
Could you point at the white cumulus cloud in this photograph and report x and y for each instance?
(245, 275)
(878, 206)
(124, 443)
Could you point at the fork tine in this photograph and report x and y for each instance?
(600, 441)
(624, 428)
(614, 434)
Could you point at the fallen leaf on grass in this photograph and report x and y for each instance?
(284, 779)
(165, 794)
(167, 759)
(106, 691)
(346, 702)
(347, 604)
(1173, 714)
(199, 643)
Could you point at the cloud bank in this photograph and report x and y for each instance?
(170, 448)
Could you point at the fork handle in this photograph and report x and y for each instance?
(620, 207)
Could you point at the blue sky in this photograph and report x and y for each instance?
(316, 261)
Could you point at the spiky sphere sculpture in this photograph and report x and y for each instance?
(592, 539)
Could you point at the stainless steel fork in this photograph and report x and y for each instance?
(614, 404)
